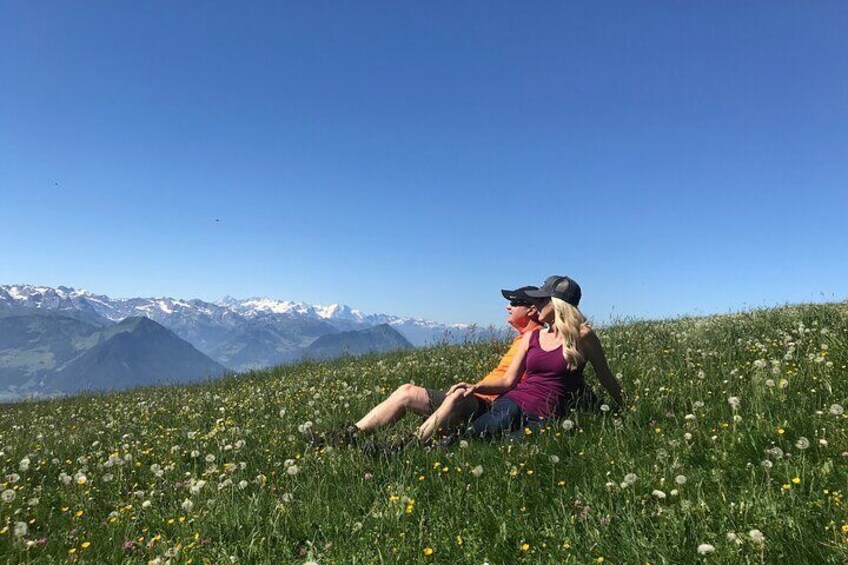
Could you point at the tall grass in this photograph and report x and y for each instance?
(734, 441)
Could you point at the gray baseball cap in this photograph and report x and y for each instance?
(558, 286)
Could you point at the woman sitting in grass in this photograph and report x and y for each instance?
(551, 361)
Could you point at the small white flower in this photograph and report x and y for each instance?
(21, 529)
(630, 479)
(732, 537)
(680, 479)
(706, 549)
(23, 466)
(674, 492)
(605, 408)
(293, 470)
(146, 504)
(187, 505)
(734, 402)
(477, 471)
(567, 425)
(689, 417)
(242, 484)
(305, 428)
(757, 537)
(554, 459)
(836, 409)
(802, 443)
(8, 495)
(823, 442)
(658, 494)
(687, 436)
(463, 444)
(737, 418)
(210, 458)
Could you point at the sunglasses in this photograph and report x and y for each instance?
(516, 303)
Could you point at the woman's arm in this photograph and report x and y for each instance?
(508, 380)
(594, 352)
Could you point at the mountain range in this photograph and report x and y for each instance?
(47, 352)
(43, 329)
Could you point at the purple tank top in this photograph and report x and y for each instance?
(547, 380)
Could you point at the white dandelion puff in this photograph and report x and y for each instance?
(706, 549)
(757, 537)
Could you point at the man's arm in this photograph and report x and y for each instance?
(494, 383)
(594, 351)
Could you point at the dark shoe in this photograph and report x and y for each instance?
(344, 434)
(447, 441)
(386, 449)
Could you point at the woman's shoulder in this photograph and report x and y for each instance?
(586, 330)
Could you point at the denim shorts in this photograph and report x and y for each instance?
(503, 417)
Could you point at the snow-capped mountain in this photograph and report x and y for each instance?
(240, 334)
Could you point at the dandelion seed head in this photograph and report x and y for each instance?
(706, 549)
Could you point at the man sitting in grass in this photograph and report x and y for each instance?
(443, 413)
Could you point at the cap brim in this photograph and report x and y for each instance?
(538, 293)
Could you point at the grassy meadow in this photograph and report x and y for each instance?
(734, 449)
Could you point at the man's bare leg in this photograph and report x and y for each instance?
(455, 410)
(407, 397)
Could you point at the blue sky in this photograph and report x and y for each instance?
(674, 158)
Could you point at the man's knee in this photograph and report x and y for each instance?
(409, 394)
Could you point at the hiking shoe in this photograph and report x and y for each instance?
(344, 434)
(386, 449)
(447, 441)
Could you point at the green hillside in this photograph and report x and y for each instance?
(735, 438)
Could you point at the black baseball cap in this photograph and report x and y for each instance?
(519, 296)
(558, 286)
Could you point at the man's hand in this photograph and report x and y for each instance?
(459, 386)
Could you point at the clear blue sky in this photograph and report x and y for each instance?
(414, 158)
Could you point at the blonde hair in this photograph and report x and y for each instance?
(568, 321)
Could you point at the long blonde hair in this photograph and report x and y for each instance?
(568, 321)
